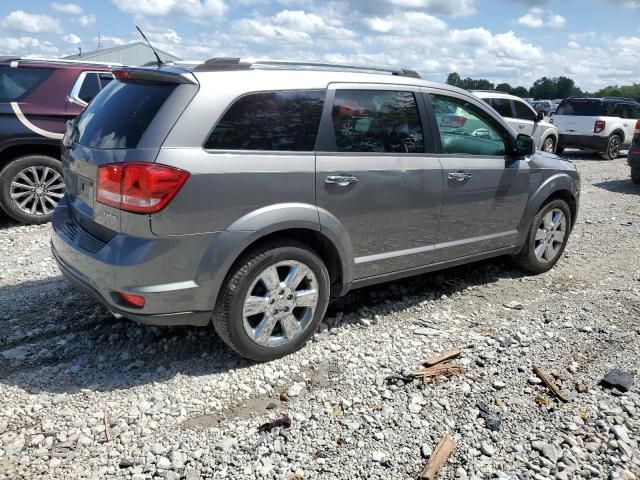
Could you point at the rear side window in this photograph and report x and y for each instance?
(90, 87)
(276, 121)
(377, 121)
(16, 83)
(502, 106)
(581, 107)
(120, 114)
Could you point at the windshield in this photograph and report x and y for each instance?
(120, 114)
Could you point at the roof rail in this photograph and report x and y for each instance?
(404, 72)
(626, 99)
(232, 63)
(9, 58)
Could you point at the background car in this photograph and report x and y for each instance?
(37, 97)
(522, 118)
(605, 125)
(543, 106)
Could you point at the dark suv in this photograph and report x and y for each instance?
(37, 97)
(247, 194)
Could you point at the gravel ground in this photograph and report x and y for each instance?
(178, 404)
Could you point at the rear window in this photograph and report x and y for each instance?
(120, 114)
(581, 107)
(16, 83)
(278, 121)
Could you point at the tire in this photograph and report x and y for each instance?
(549, 145)
(635, 172)
(527, 257)
(613, 148)
(45, 190)
(241, 332)
(559, 150)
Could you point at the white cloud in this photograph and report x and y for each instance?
(456, 8)
(71, 8)
(72, 39)
(26, 45)
(195, 9)
(20, 20)
(406, 23)
(87, 20)
(625, 3)
(109, 41)
(539, 18)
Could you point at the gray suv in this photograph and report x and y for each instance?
(247, 195)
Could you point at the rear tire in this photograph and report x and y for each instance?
(613, 148)
(635, 172)
(545, 241)
(31, 187)
(263, 316)
(549, 145)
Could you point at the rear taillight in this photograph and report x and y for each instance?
(636, 135)
(637, 132)
(599, 126)
(138, 187)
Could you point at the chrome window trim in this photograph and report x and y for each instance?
(75, 90)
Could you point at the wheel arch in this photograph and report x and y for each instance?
(620, 133)
(12, 150)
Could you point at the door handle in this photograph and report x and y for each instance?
(341, 180)
(459, 176)
(521, 126)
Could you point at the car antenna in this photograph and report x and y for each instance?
(160, 62)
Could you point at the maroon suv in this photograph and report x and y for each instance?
(37, 97)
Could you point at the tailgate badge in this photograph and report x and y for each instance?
(110, 215)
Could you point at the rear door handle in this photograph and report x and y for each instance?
(341, 180)
(459, 176)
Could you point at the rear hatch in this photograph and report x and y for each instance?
(577, 116)
(126, 122)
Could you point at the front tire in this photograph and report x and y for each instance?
(613, 148)
(635, 172)
(31, 187)
(272, 301)
(549, 145)
(547, 238)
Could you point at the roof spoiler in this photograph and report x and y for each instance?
(144, 75)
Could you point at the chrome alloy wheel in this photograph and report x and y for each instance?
(280, 304)
(37, 190)
(548, 145)
(550, 236)
(614, 146)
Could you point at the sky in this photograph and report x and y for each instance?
(595, 42)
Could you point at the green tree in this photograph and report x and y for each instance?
(520, 92)
(504, 87)
(454, 79)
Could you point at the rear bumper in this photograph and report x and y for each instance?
(164, 271)
(589, 142)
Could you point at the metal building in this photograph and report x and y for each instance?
(134, 54)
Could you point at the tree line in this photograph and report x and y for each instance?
(544, 88)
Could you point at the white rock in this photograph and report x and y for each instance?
(295, 389)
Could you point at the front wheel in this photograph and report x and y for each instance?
(613, 148)
(547, 238)
(31, 187)
(549, 145)
(272, 301)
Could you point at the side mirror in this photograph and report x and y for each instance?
(540, 116)
(525, 147)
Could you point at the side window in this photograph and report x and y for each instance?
(502, 106)
(524, 112)
(105, 78)
(281, 121)
(90, 87)
(377, 121)
(636, 112)
(466, 129)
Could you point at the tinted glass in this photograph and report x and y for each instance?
(283, 121)
(120, 114)
(466, 129)
(581, 107)
(90, 87)
(377, 121)
(502, 106)
(15, 83)
(523, 111)
(105, 79)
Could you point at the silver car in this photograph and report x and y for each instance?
(522, 118)
(247, 195)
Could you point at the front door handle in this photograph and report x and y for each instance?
(341, 180)
(459, 176)
(521, 126)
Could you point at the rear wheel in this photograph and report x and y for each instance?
(272, 301)
(613, 148)
(547, 238)
(635, 172)
(31, 187)
(549, 145)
